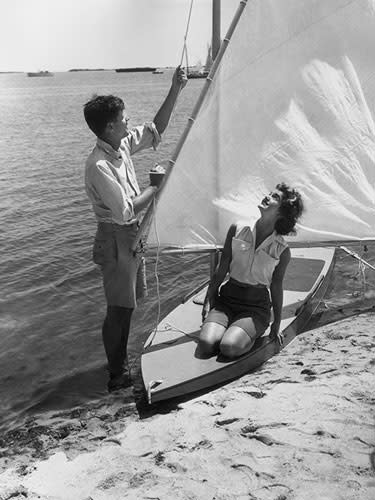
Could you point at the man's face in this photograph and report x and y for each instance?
(119, 127)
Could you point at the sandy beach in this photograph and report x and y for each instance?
(301, 427)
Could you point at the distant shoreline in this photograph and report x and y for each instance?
(138, 69)
(117, 70)
(88, 69)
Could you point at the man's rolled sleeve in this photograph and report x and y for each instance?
(143, 137)
(112, 194)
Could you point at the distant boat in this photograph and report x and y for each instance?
(157, 72)
(134, 70)
(202, 72)
(40, 73)
(197, 74)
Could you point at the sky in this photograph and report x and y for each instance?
(58, 35)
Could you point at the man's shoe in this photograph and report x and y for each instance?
(119, 382)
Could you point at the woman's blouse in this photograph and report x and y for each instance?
(255, 266)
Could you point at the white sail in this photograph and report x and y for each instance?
(293, 100)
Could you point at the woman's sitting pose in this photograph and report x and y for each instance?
(256, 260)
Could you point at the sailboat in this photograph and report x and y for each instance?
(204, 71)
(290, 97)
(39, 73)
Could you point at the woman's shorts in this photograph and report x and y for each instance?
(236, 304)
(124, 273)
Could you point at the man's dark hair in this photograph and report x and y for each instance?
(290, 210)
(100, 110)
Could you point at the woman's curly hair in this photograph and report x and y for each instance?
(291, 209)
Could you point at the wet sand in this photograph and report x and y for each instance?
(299, 428)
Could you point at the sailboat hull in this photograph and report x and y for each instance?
(197, 74)
(170, 365)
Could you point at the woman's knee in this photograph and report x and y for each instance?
(230, 349)
(235, 342)
(210, 337)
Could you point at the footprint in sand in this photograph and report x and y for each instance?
(308, 371)
(142, 477)
(173, 466)
(249, 428)
(258, 394)
(205, 443)
(226, 421)
(263, 438)
(111, 481)
(321, 432)
(310, 374)
(19, 492)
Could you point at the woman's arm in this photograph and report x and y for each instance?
(277, 294)
(220, 272)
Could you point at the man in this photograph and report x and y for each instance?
(112, 188)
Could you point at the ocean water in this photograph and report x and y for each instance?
(51, 298)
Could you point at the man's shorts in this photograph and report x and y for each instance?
(124, 273)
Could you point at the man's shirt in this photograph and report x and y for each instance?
(110, 180)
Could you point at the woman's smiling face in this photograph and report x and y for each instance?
(271, 202)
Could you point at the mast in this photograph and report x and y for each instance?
(215, 46)
(216, 22)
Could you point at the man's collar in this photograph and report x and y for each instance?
(108, 149)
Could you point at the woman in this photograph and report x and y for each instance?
(256, 261)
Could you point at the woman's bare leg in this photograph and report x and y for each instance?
(237, 341)
(210, 337)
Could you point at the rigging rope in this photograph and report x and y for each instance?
(184, 49)
(167, 326)
(362, 273)
(156, 273)
(362, 264)
(149, 343)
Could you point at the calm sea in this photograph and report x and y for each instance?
(51, 299)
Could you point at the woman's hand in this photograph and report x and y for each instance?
(275, 334)
(206, 308)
